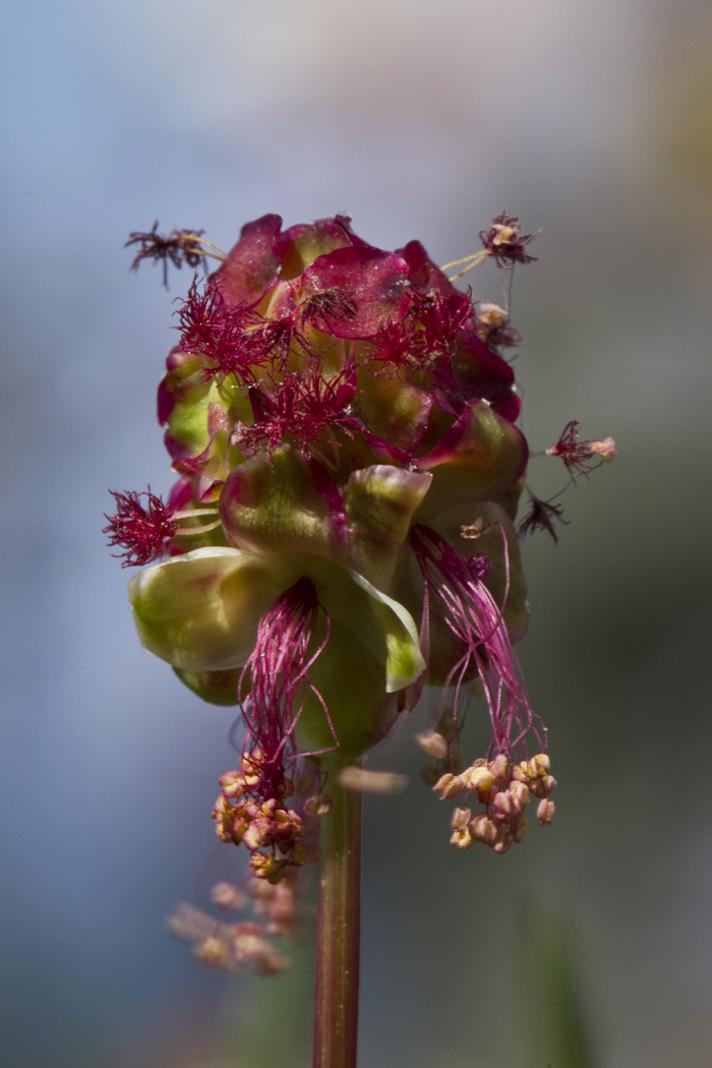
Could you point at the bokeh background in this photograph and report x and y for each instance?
(591, 944)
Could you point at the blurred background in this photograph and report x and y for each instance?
(591, 944)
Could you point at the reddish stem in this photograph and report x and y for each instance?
(338, 931)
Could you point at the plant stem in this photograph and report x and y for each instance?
(338, 931)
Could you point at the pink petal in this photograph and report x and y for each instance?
(369, 289)
(424, 274)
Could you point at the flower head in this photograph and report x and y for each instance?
(343, 426)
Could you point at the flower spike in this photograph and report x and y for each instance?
(343, 425)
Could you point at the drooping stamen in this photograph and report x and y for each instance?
(274, 683)
(456, 584)
(273, 688)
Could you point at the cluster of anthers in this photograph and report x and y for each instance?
(251, 813)
(504, 789)
(246, 943)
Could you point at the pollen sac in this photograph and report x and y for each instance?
(504, 788)
(461, 836)
(449, 785)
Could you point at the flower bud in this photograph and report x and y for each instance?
(256, 835)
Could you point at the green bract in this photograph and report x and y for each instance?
(200, 613)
